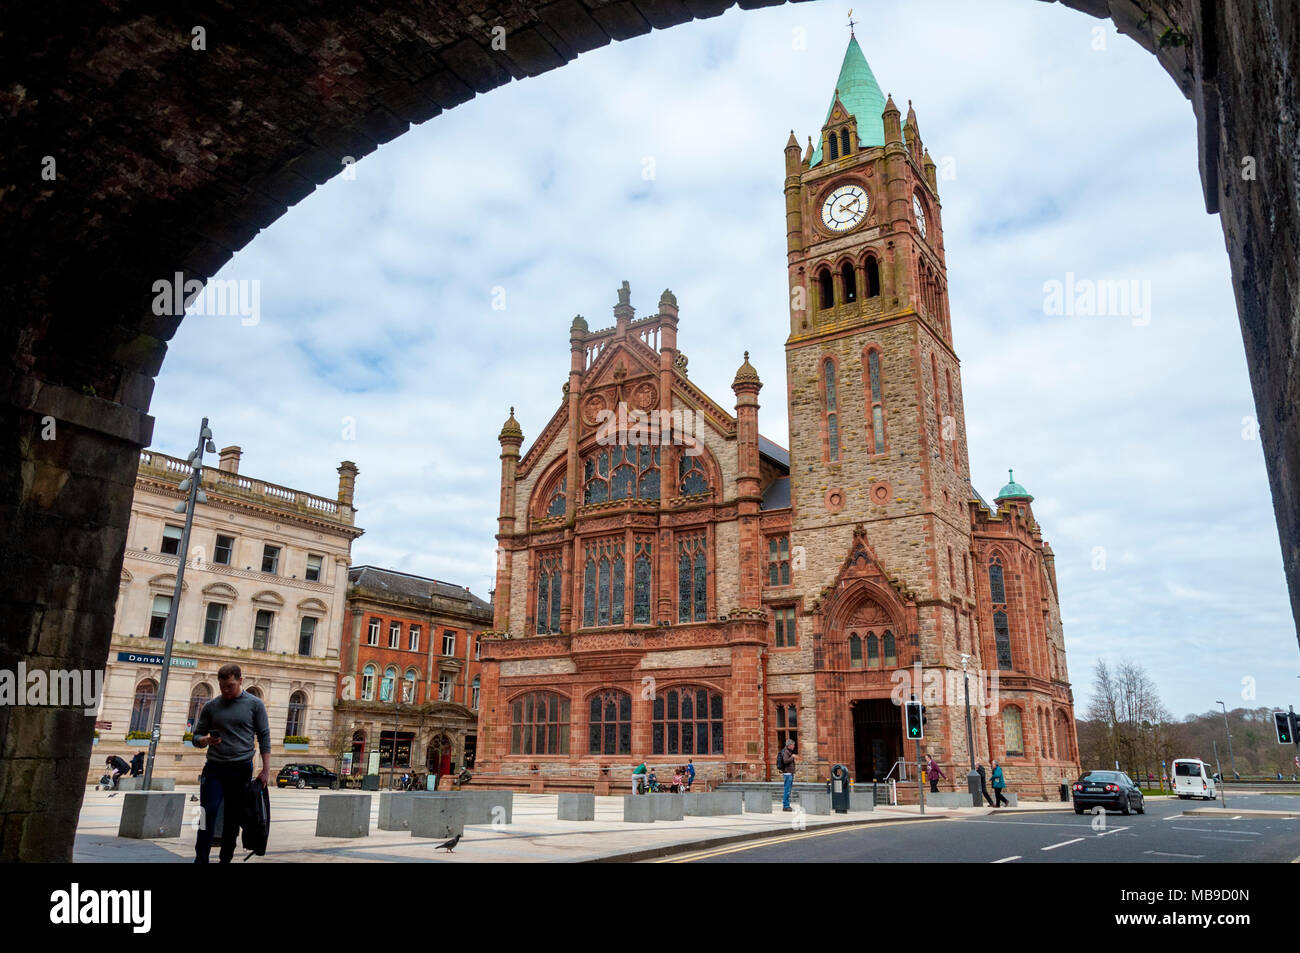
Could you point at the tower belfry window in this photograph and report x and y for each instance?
(850, 282)
(844, 141)
(827, 288)
(834, 142)
(873, 278)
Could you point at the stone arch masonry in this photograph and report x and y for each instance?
(170, 159)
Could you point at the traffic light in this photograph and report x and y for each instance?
(1282, 722)
(915, 721)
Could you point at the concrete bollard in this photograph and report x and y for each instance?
(758, 802)
(815, 802)
(395, 810)
(151, 814)
(638, 809)
(668, 807)
(137, 784)
(577, 807)
(487, 807)
(343, 815)
(861, 801)
(727, 802)
(437, 815)
(697, 804)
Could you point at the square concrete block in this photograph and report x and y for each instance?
(668, 807)
(488, 807)
(577, 807)
(861, 801)
(438, 815)
(758, 802)
(343, 815)
(638, 809)
(137, 784)
(727, 802)
(815, 802)
(697, 805)
(395, 810)
(151, 814)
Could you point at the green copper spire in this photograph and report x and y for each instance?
(861, 96)
(1013, 490)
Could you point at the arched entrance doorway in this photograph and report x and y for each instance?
(438, 756)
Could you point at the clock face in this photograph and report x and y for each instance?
(845, 208)
(919, 211)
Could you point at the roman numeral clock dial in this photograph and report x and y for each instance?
(845, 208)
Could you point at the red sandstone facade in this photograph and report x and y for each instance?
(672, 585)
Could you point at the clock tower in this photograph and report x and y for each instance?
(878, 470)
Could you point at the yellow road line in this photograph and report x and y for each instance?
(770, 841)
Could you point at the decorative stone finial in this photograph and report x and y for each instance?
(746, 374)
(625, 293)
(510, 430)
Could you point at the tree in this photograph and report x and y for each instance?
(1131, 726)
(340, 743)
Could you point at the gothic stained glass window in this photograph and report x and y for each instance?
(687, 721)
(832, 416)
(642, 573)
(873, 652)
(621, 473)
(549, 572)
(555, 507)
(1002, 637)
(1013, 731)
(543, 602)
(891, 652)
(609, 723)
(876, 389)
(539, 724)
(603, 583)
(691, 473)
(692, 578)
(997, 589)
(555, 600)
(855, 651)
(778, 561)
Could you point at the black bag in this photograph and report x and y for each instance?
(257, 818)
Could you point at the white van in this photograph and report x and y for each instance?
(1193, 778)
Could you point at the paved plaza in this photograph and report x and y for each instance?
(534, 836)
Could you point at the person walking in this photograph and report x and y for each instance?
(690, 772)
(228, 725)
(935, 773)
(999, 782)
(638, 776)
(984, 787)
(785, 765)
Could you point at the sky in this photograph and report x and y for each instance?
(404, 308)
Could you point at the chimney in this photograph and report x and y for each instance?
(347, 482)
(230, 459)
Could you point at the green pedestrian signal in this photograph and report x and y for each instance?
(1282, 722)
(915, 721)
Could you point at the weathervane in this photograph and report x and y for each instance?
(851, 23)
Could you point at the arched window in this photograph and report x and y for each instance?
(388, 685)
(604, 576)
(358, 752)
(834, 142)
(855, 651)
(850, 279)
(692, 477)
(876, 400)
(952, 412)
(409, 681)
(199, 696)
(142, 708)
(873, 278)
(609, 723)
(873, 652)
(621, 473)
(844, 141)
(827, 288)
(787, 724)
(1062, 736)
(549, 575)
(997, 590)
(474, 694)
(832, 411)
(559, 496)
(687, 720)
(368, 683)
(256, 693)
(891, 651)
(539, 724)
(692, 578)
(1013, 732)
(938, 415)
(296, 723)
(1002, 637)
(642, 578)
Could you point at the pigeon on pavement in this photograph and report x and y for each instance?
(450, 845)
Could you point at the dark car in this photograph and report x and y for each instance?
(306, 776)
(1112, 790)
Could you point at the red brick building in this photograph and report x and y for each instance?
(672, 585)
(410, 672)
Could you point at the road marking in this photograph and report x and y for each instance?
(1017, 857)
(1064, 843)
(1113, 830)
(1237, 818)
(1215, 830)
(1161, 853)
(770, 841)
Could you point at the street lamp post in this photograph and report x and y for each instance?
(1232, 762)
(972, 776)
(195, 495)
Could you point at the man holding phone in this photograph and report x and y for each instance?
(227, 727)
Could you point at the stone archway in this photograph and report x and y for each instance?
(139, 156)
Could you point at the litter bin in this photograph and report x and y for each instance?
(838, 788)
(1065, 792)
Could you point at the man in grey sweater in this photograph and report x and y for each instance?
(227, 727)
